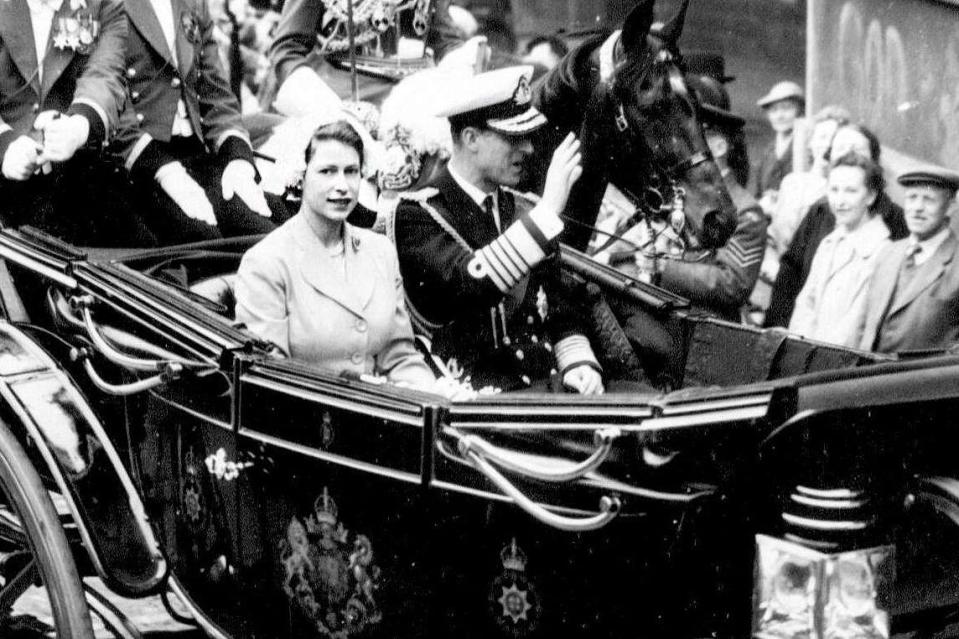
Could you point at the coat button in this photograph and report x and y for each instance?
(357, 358)
(175, 83)
(36, 107)
(520, 355)
(361, 326)
(131, 72)
(135, 96)
(140, 117)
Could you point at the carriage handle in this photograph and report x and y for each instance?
(603, 439)
(609, 505)
(82, 303)
(171, 372)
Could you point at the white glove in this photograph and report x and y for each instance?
(563, 172)
(239, 178)
(62, 135)
(185, 192)
(586, 380)
(20, 160)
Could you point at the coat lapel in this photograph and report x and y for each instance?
(55, 61)
(145, 20)
(17, 36)
(884, 283)
(323, 273)
(464, 214)
(184, 15)
(927, 274)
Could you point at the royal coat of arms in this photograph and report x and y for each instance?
(329, 575)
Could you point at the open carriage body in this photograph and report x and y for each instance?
(285, 501)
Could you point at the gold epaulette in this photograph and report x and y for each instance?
(419, 196)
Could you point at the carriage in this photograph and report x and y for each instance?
(754, 481)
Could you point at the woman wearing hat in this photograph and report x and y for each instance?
(783, 105)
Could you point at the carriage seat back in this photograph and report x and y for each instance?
(219, 289)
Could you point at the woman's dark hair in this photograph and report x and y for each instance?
(873, 178)
(339, 131)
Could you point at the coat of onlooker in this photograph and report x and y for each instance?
(832, 303)
(913, 297)
(783, 105)
(819, 222)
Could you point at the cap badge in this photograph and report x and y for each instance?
(523, 93)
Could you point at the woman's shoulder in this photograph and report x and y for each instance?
(274, 246)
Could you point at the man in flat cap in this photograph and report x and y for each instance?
(913, 298)
(474, 254)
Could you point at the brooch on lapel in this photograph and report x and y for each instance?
(190, 22)
(77, 31)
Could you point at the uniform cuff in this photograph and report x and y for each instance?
(234, 147)
(6, 138)
(510, 257)
(575, 351)
(148, 162)
(98, 130)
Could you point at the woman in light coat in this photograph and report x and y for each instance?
(324, 291)
(831, 305)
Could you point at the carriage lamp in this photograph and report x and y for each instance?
(801, 593)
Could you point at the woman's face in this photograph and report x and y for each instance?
(821, 138)
(849, 197)
(846, 140)
(332, 180)
(782, 115)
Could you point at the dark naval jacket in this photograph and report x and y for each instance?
(156, 83)
(493, 304)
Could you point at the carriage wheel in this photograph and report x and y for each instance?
(32, 543)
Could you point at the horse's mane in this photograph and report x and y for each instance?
(569, 84)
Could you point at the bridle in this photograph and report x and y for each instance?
(663, 200)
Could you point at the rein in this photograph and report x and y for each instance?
(670, 211)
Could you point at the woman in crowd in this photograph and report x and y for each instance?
(327, 292)
(831, 305)
(819, 222)
(801, 189)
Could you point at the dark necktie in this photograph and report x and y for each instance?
(488, 206)
(908, 270)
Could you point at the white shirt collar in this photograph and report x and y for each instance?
(42, 14)
(476, 194)
(864, 239)
(930, 245)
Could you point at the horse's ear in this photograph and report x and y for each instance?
(674, 28)
(636, 27)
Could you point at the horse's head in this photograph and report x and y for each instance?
(659, 139)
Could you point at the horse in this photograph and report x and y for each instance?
(626, 98)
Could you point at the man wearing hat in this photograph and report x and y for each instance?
(913, 298)
(474, 254)
(783, 105)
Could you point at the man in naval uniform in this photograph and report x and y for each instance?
(474, 254)
(310, 50)
(61, 91)
(913, 297)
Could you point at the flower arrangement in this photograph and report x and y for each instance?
(77, 31)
